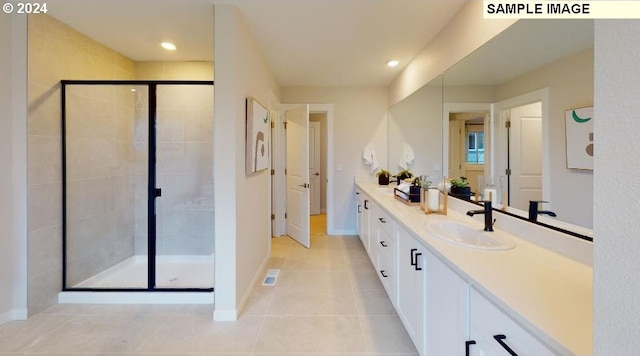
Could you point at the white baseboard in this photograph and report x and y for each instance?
(225, 315)
(15, 314)
(20, 314)
(232, 315)
(135, 298)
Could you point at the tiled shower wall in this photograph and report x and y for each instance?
(56, 52)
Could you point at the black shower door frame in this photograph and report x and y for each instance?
(153, 192)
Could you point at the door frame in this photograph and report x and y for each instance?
(279, 226)
(448, 109)
(317, 148)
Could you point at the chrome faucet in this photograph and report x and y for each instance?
(488, 215)
(534, 212)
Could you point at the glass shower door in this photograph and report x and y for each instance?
(105, 142)
(184, 171)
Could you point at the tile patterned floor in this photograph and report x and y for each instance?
(327, 301)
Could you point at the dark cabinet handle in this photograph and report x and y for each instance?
(499, 339)
(382, 220)
(382, 273)
(467, 346)
(413, 261)
(366, 205)
(359, 208)
(383, 245)
(357, 193)
(416, 265)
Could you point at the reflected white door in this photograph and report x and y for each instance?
(525, 155)
(314, 167)
(298, 174)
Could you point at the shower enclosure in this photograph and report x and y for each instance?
(137, 191)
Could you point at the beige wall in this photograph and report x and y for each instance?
(56, 52)
(194, 70)
(570, 83)
(616, 207)
(243, 216)
(13, 185)
(359, 118)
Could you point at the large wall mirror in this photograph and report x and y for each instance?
(504, 110)
(415, 132)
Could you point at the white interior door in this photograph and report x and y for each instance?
(314, 168)
(525, 155)
(298, 174)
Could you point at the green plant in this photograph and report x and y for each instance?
(459, 182)
(383, 172)
(405, 173)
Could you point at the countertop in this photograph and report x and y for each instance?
(548, 293)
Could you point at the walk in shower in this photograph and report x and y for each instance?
(137, 187)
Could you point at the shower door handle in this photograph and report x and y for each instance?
(158, 192)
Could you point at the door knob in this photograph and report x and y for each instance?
(305, 185)
(317, 174)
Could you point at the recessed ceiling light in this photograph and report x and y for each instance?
(168, 46)
(392, 63)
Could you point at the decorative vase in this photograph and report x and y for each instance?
(461, 192)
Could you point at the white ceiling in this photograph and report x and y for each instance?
(305, 42)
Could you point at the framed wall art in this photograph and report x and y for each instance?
(258, 136)
(579, 132)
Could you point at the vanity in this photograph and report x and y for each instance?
(530, 294)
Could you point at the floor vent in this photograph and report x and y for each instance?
(271, 277)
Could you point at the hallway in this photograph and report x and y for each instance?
(327, 301)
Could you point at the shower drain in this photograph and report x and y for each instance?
(271, 277)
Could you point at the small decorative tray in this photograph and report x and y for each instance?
(407, 198)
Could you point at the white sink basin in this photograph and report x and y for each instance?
(459, 233)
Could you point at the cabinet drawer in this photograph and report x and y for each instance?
(383, 220)
(386, 263)
(494, 331)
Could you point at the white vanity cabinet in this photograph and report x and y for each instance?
(360, 214)
(363, 206)
(441, 311)
(496, 334)
(384, 244)
(411, 275)
(447, 309)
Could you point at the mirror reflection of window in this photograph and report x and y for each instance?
(474, 144)
(475, 147)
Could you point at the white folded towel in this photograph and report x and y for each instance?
(406, 156)
(369, 156)
(404, 187)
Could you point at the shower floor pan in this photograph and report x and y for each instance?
(175, 271)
